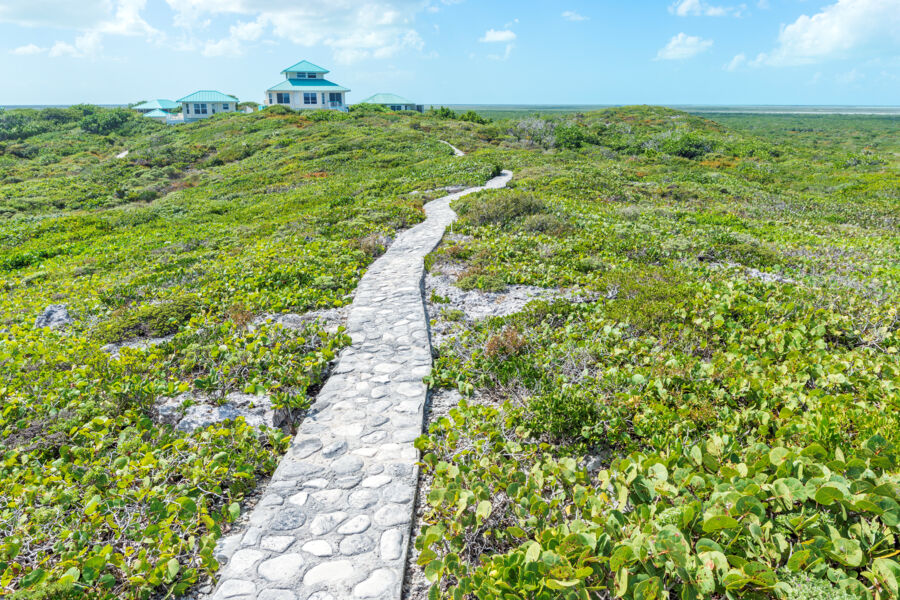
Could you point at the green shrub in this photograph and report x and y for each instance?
(318, 116)
(452, 314)
(277, 109)
(478, 279)
(545, 223)
(689, 145)
(442, 112)
(106, 121)
(498, 208)
(365, 109)
(473, 117)
(570, 136)
(148, 320)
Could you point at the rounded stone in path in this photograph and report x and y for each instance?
(357, 544)
(243, 561)
(391, 544)
(362, 499)
(287, 519)
(322, 524)
(357, 524)
(328, 572)
(318, 548)
(376, 584)
(376, 481)
(281, 568)
(276, 543)
(235, 587)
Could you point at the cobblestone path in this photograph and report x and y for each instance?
(334, 523)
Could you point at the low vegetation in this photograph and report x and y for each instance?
(733, 389)
(192, 237)
(719, 422)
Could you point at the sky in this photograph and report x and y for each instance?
(843, 52)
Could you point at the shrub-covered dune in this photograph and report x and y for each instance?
(734, 381)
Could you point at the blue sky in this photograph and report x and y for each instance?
(457, 51)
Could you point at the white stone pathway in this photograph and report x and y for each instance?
(334, 523)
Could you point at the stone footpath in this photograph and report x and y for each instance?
(334, 523)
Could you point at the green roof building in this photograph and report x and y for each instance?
(393, 102)
(157, 115)
(305, 88)
(159, 104)
(206, 103)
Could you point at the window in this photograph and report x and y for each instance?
(283, 98)
(396, 107)
(334, 97)
(271, 101)
(187, 109)
(200, 109)
(225, 106)
(309, 98)
(310, 75)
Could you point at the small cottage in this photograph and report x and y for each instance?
(393, 102)
(159, 104)
(158, 115)
(305, 88)
(206, 103)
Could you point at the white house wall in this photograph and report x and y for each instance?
(297, 100)
(212, 108)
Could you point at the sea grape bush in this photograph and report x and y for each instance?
(730, 371)
(724, 518)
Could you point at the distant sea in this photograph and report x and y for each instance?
(760, 109)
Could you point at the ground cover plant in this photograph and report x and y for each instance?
(722, 421)
(189, 238)
(719, 421)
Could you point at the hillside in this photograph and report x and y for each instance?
(715, 416)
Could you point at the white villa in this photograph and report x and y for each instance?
(305, 87)
(393, 102)
(206, 103)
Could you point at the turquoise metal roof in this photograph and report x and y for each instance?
(208, 96)
(387, 99)
(304, 66)
(307, 85)
(156, 113)
(159, 104)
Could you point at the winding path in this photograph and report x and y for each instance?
(335, 521)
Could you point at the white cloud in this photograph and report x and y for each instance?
(93, 18)
(736, 62)
(689, 8)
(683, 46)
(85, 45)
(238, 34)
(63, 14)
(27, 50)
(571, 15)
(351, 29)
(841, 30)
(494, 35)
